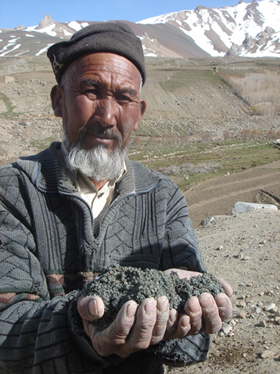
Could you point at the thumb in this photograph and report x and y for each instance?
(227, 288)
(90, 308)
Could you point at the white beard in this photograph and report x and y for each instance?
(98, 163)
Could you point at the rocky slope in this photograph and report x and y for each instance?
(186, 100)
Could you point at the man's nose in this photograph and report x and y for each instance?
(106, 112)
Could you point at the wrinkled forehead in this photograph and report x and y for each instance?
(103, 65)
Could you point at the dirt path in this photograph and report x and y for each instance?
(217, 196)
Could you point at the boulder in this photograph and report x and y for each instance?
(241, 207)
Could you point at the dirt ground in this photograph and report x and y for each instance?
(244, 249)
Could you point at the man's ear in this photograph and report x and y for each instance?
(56, 95)
(143, 107)
(142, 111)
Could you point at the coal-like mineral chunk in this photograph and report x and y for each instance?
(118, 284)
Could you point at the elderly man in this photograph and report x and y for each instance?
(81, 206)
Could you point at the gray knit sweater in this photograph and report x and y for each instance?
(48, 250)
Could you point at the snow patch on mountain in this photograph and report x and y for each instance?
(75, 25)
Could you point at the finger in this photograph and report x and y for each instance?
(224, 306)
(183, 328)
(162, 319)
(113, 340)
(227, 288)
(172, 324)
(146, 317)
(211, 318)
(194, 311)
(90, 308)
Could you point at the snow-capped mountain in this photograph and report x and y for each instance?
(246, 29)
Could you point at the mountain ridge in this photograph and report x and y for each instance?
(246, 29)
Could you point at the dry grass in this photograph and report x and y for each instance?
(260, 90)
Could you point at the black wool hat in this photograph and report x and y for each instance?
(115, 38)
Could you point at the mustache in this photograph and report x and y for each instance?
(96, 129)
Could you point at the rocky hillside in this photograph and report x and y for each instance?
(187, 100)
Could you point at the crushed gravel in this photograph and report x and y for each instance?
(117, 285)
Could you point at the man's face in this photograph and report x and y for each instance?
(99, 101)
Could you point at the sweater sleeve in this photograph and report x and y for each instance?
(180, 247)
(37, 334)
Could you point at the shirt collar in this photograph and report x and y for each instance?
(86, 185)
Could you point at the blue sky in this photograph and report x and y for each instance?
(30, 12)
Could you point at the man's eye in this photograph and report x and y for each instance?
(91, 92)
(123, 99)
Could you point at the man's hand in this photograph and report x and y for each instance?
(204, 313)
(135, 327)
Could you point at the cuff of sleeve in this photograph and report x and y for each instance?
(182, 352)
